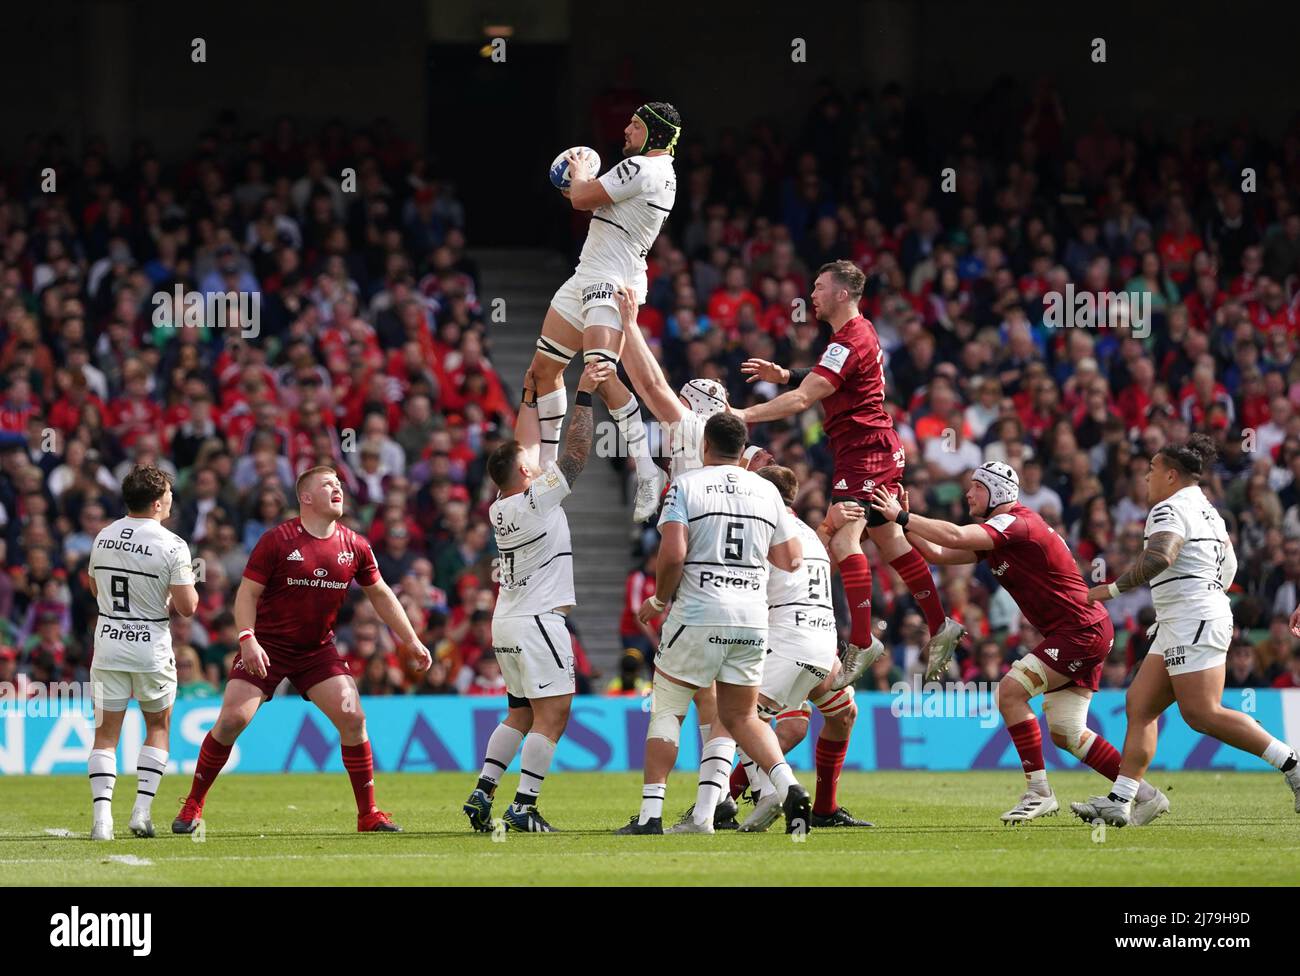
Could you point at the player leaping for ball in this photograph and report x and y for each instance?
(531, 642)
(1189, 563)
(1039, 571)
(296, 579)
(849, 382)
(629, 205)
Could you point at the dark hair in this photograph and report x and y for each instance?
(725, 434)
(501, 463)
(1192, 459)
(787, 483)
(847, 275)
(143, 486)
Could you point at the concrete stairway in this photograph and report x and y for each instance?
(599, 517)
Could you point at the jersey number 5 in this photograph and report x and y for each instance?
(734, 542)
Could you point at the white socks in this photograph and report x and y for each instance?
(103, 777)
(782, 779)
(501, 748)
(632, 429)
(652, 802)
(715, 775)
(551, 409)
(1277, 753)
(150, 767)
(758, 781)
(1038, 781)
(1125, 788)
(534, 764)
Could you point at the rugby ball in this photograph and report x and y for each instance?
(560, 168)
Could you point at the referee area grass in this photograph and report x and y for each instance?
(932, 829)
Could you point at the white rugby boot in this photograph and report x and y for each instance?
(141, 824)
(1112, 812)
(1032, 806)
(941, 647)
(1144, 811)
(1292, 777)
(648, 492)
(101, 830)
(855, 661)
(765, 813)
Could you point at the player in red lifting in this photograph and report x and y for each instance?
(849, 382)
(296, 579)
(1040, 573)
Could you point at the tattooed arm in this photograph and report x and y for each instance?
(1161, 550)
(577, 442)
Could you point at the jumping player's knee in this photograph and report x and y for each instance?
(837, 706)
(597, 355)
(550, 359)
(1067, 720)
(668, 705)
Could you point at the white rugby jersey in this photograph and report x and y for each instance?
(135, 562)
(621, 234)
(535, 568)
(1194, 586)
(732, 518)
(802, 599)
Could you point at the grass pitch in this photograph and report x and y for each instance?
(932, 828)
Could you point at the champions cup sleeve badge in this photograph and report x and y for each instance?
(835, 356)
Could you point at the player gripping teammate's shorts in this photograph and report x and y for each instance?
(700, 654)
(875, 459)
(585, 300)
(1192, 645)
(536, 655)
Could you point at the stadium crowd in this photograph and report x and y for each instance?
(371, 354)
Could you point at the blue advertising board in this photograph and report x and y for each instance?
(917, 731)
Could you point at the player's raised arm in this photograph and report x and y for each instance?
(577, 442)
(642, 368)
(586, 192)
(813, 389)
(972, 538)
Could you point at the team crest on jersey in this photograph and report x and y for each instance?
(626, 171)
(835, 356)
(346, 557)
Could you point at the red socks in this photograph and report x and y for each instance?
(915, 572)
(855, 571)
(829, 758)
(1029, 743)
(212, 758)
(361, 771)
(739, 781)
(1104, 758)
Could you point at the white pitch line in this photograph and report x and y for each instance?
(130, 860)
